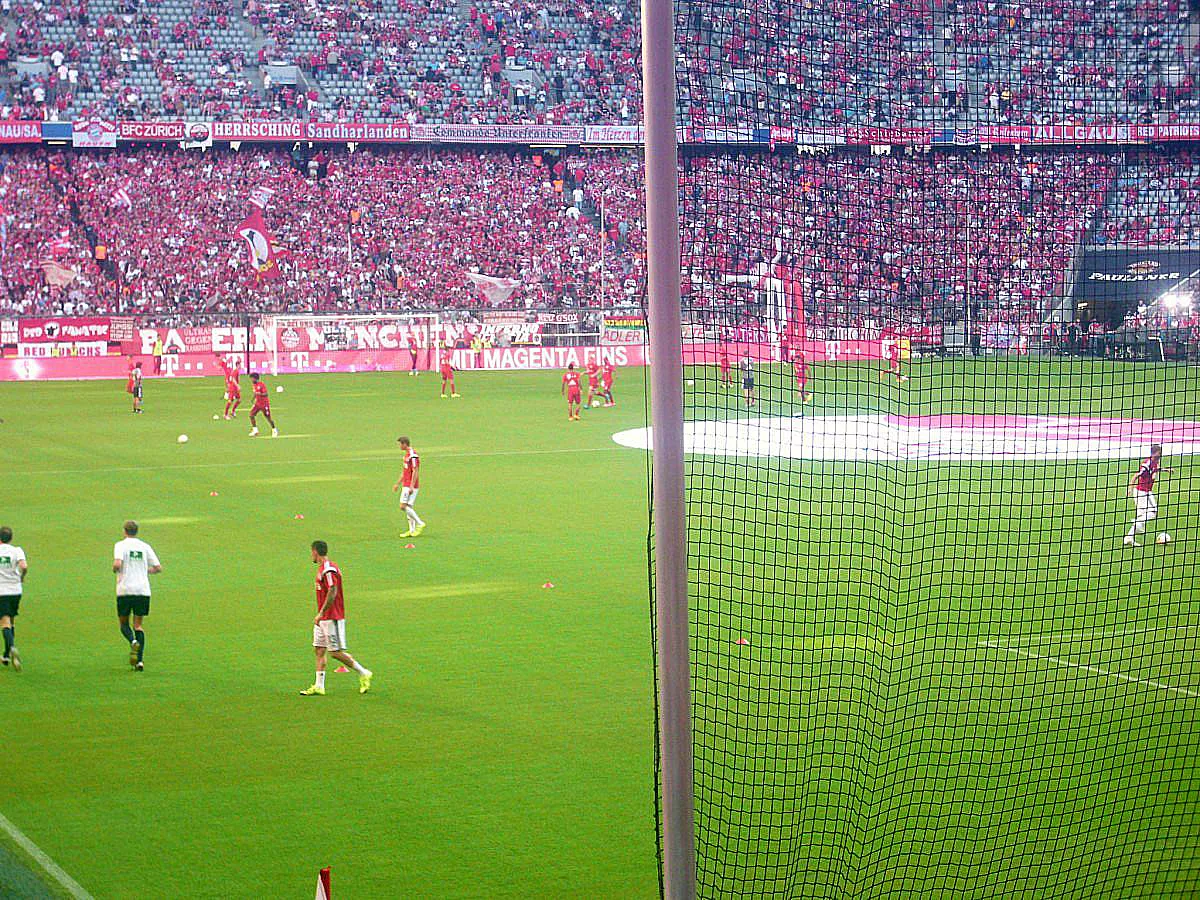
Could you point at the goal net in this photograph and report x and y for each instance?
(353, 343)
(935, 327)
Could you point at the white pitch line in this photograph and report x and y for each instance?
(1067, 636)
(312, 462)
(1120, 676)
(72, 887)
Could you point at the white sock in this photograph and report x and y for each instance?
(358, 667)
(414, 521)
(1132, 531)
(321, 679)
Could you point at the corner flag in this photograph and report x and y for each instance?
(323, 892)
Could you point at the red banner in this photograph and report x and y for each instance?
(20, 132)
(259, 131)
(62, 330)
(176, 365)
(151, 131)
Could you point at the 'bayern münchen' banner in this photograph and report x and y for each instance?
(93, 134)
(1115, 281)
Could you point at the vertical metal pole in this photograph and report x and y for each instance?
(666, 399)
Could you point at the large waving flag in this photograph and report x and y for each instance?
(56, 274)
(260, 196)
(495, 290)
(263, 253)
(120, 197)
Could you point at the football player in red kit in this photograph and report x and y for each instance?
(573, 392)
(448, 378)
(593, 376)
(262, 404)
(726, 369)
(233, 388)
(606, 379)
(800, 368)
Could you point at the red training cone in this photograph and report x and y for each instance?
(213, 494)
(410, 546)
(340, 670)
(298, 516)
(548, 584)
(743, 642)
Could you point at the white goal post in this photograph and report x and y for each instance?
(294, 339)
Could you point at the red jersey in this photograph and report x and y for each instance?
(329, 575)
(801, 371)
(1147, 474)
(724, 361)
(232, 373)
(447, 370)
(607, 375)
(412, 469)
(593, 374)
(261, 397)
(571, 380)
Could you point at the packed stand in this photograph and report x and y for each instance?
(811, 64)
(365, 231)
(1155, 201)
(46, 260)
(958, 62)
(900, 240)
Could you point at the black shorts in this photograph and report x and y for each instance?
(137, 392)
(9, 605)
(747, 384)
(133, 605)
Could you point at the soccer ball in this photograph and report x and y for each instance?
(595, 403)
(1163, 538)
(183, 439)
(279, 388)
(691, 382)
(215, 417)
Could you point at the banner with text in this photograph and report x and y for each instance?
(623, 330)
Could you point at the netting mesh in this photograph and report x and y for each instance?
(937, 648)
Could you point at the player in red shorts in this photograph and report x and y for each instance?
(800, 368)
(233, 388)
(606, 380)
(593, 376)
(412, 352)
(726, 370)
(262, 404)
(570, 387)
(448, 378)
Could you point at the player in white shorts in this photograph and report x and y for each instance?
(408, 484)
(1141, 488)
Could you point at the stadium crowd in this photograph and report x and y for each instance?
(1156, 201)
(926, 238)
(819, 63)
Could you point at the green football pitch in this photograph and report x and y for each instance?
(954, 675)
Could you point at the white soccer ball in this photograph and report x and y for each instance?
(183, 439)
(279, 388)
(1163, 538)
(595, 403)
(216, 417)
(691, 383)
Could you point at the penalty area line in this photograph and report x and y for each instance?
(53, 869)
(1094, 670)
